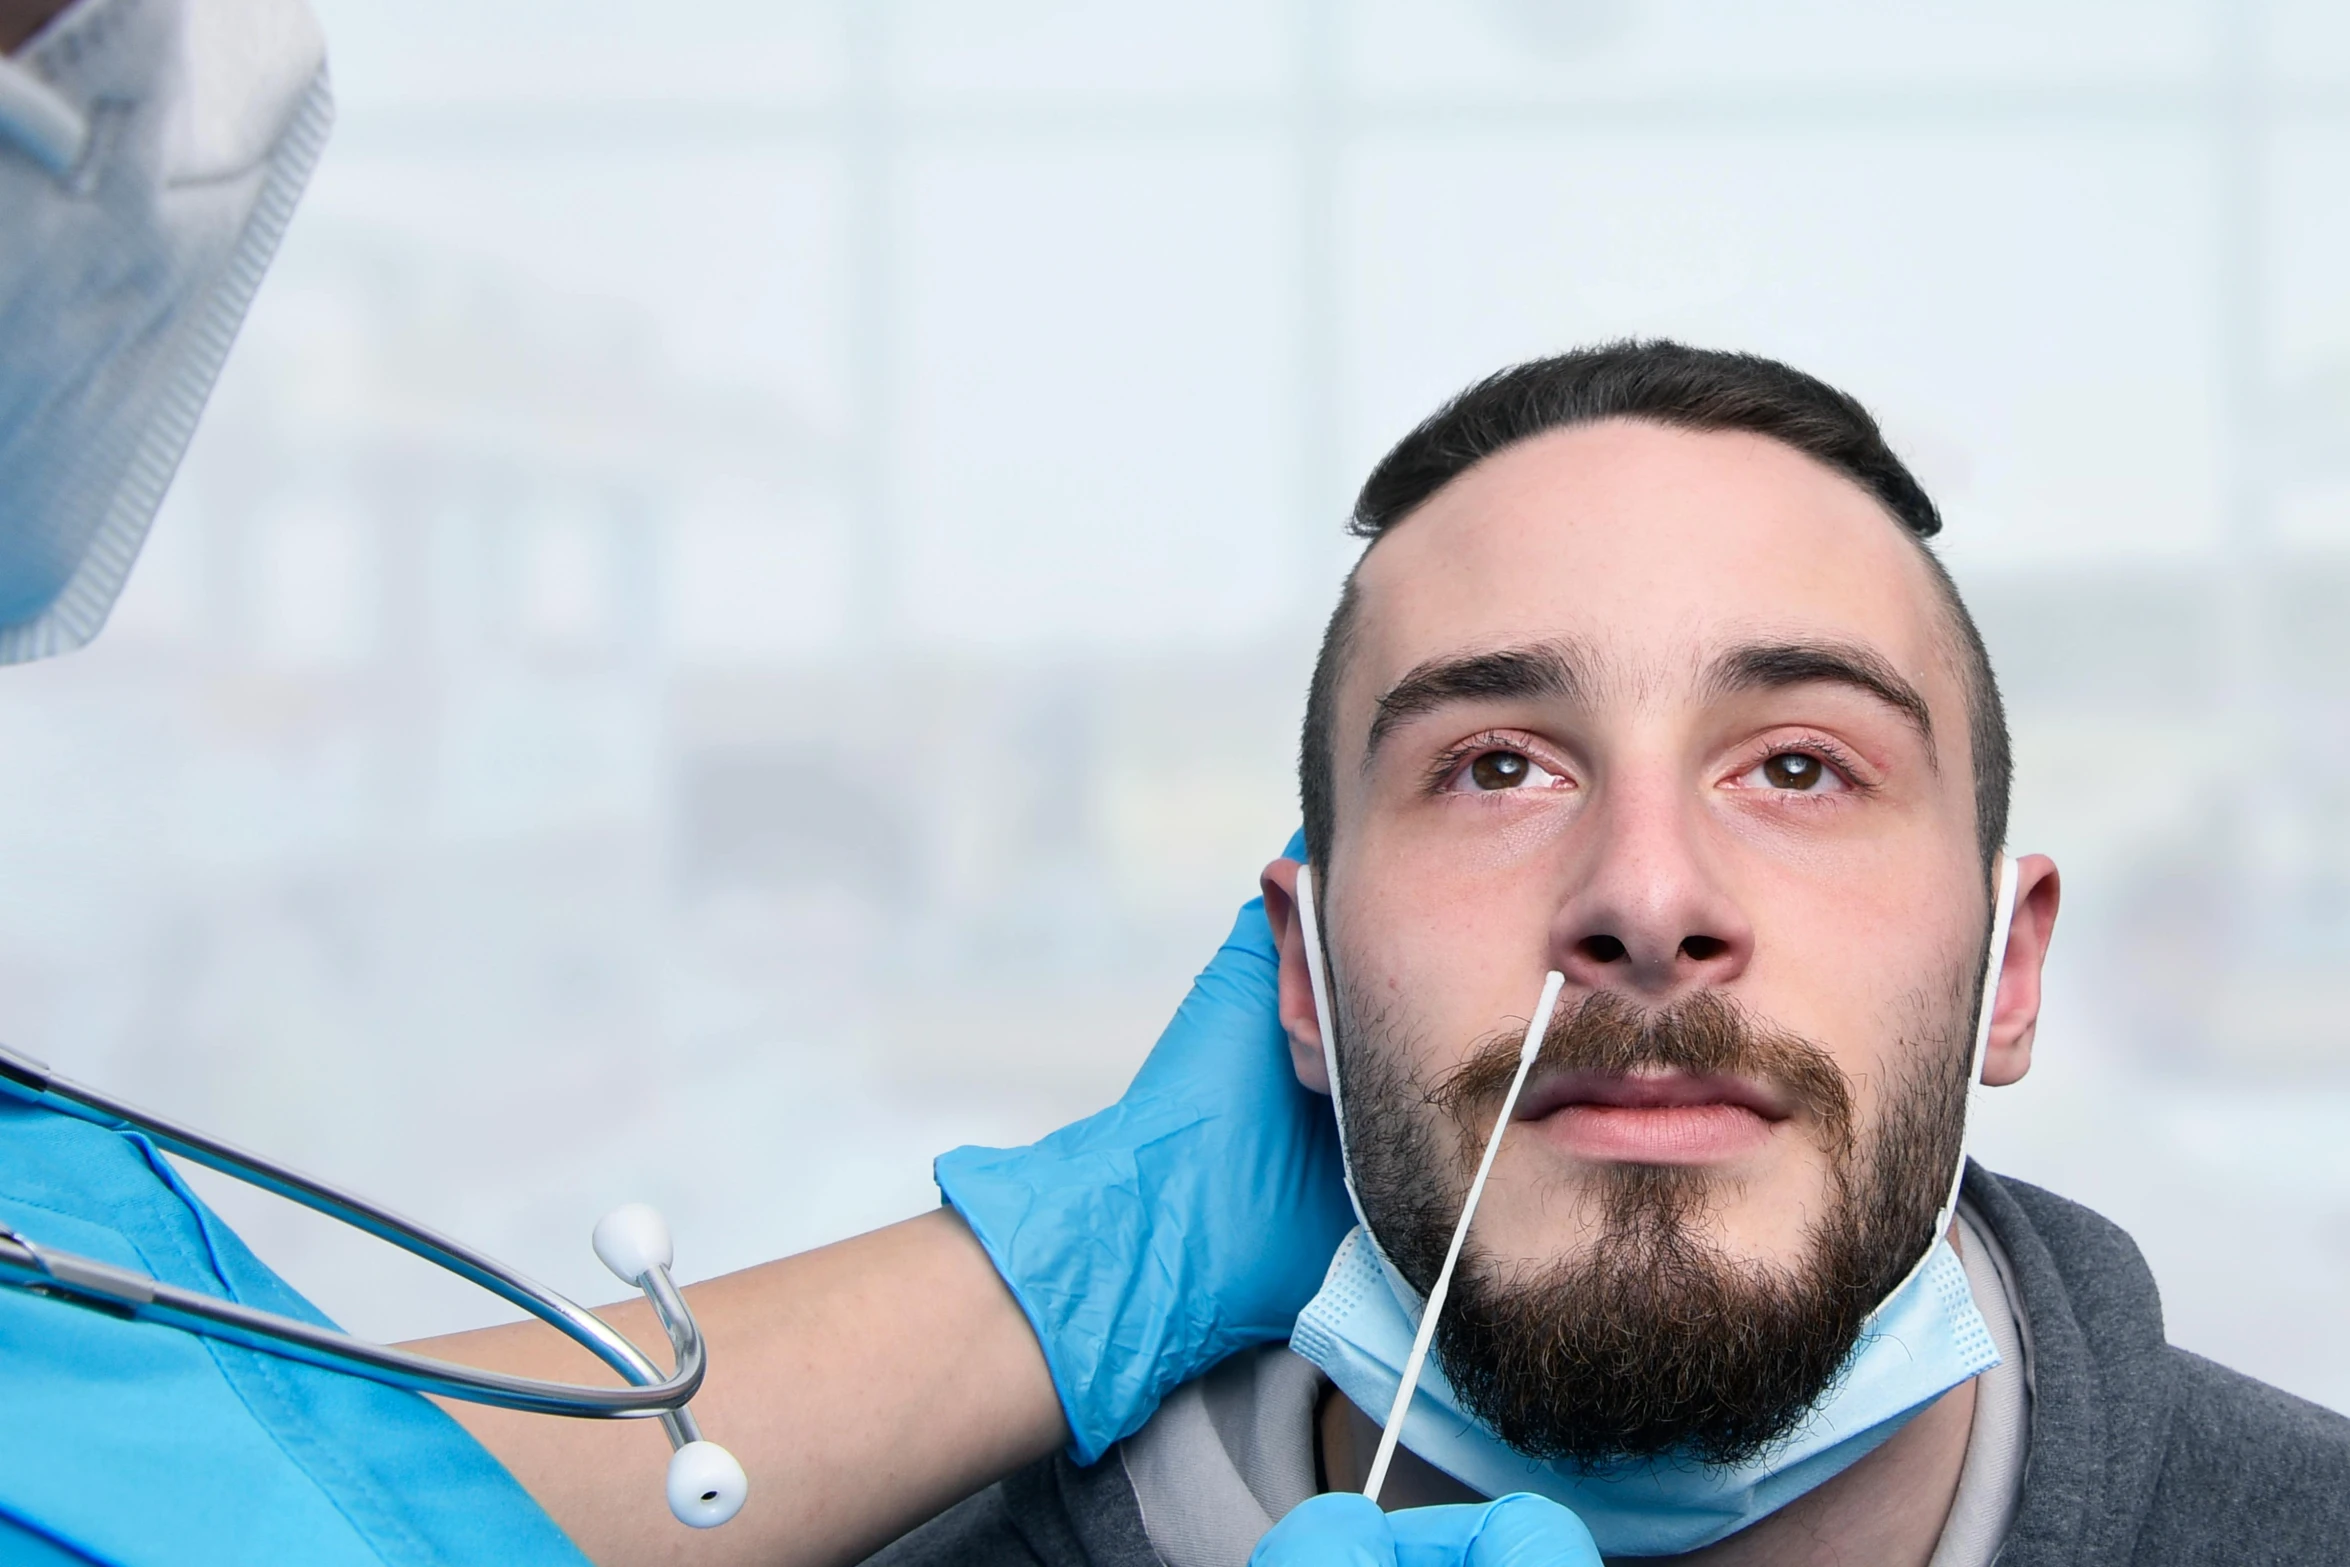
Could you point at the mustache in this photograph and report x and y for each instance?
(1702, 1034)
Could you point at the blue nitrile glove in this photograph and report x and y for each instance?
(1344, 1529)
(1191, 1219)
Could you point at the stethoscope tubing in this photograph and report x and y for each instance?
(26, 1265)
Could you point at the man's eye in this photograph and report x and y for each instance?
(1496, 770)
(1799, 771)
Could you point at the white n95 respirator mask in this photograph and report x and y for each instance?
(151, 152)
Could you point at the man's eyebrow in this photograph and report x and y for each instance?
(1537, 670)
(1770, 666)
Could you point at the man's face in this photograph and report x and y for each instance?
(1678, 715)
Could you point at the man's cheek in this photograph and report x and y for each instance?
(1452, 982)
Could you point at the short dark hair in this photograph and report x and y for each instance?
(1656, 382)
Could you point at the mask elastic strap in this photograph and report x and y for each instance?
(1432, 1311)
(1994, 963)
(1325, 1019)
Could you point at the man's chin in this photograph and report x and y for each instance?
(1652, 1344)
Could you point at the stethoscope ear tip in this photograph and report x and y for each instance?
(706, 1485)
(632, 1240)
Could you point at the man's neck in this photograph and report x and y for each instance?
(1887, 1510)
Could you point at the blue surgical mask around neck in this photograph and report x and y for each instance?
(1925, 1338)
(1921, 1343)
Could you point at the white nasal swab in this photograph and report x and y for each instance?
(1535, 1030)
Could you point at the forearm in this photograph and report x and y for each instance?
(868, 1385)
(864, 1386)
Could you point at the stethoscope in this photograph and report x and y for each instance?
(706, 1486)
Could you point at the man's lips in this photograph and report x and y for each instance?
(1652, 1117)
(1648, 1091)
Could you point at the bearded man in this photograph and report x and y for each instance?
(1648, 677)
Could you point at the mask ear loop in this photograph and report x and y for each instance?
(1994, 963)
(1309, 925)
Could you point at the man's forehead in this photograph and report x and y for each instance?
(1648, 550)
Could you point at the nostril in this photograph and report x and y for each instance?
(1601, 949)
(1699, 949)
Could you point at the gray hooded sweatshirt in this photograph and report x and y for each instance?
(2139, 1453)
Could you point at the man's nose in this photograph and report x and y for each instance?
(1647, 913)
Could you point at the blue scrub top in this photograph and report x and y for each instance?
(135, 1444)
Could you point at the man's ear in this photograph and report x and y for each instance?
(2015, 1011)
(1297, 985)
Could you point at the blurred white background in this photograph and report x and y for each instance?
(739, 617)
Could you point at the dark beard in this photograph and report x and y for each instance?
(1653, 1342)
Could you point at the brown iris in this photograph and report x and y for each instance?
(1499, 770)
(1793, 770)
